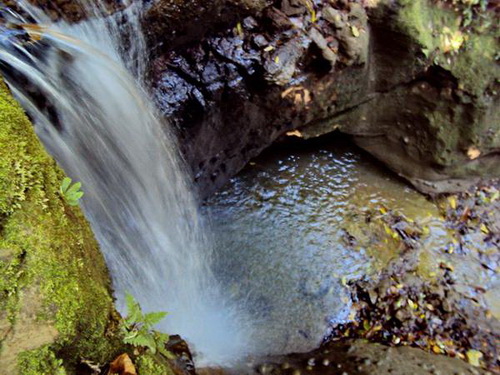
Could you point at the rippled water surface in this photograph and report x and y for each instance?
(283, 228)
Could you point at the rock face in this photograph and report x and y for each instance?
(56, 305)
(360, 357)
(67, 10)
(415, 88)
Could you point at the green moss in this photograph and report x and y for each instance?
(42, 361)
(48, 245)
(472, 62)
(148, 364)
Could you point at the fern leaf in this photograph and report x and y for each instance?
(153, 318)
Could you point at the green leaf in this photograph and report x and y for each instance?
(71, 193)
(65, 184)
(153, 318)
(136, 327)
(74, 188)
(77, 195)
(134, 312)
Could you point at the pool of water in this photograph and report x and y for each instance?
(284, 229)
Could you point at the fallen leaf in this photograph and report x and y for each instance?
(412, 304)
(473, 357)
(436, 349)
(453, 202)
(344, 281)
(294, 133)
(355, 31)
(122, 366)
(473, 153)
(239, 29)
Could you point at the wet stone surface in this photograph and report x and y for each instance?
(228, 86)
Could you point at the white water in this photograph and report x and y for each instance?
(107, 135)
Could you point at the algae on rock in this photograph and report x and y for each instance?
(56, 305)
(432, 98)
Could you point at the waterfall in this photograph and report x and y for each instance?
(85, 94)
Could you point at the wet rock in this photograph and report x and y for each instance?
(357, 357)
(281, 66)
(337, 18)
(355, 69)
(68, 10)
(322, 44)
(293, 7)
(171, 23)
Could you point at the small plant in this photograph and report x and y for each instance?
(138, 328)
(71, 193)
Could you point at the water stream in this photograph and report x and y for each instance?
(98, 122)
(268, 276)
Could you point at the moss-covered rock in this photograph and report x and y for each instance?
(148, 364)
(431, 109)
(56, 305)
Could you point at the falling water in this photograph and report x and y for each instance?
(98, 122)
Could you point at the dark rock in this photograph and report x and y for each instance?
(361, 72)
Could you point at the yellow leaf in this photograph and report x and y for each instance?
(355, 31)
(473, 153)
(473, 357)
(412, 304)
(453, 202)
(295, 133)
(344, 281)
(239, 29)
(484, 229)
(436, 349)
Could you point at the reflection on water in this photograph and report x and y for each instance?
(283, 228)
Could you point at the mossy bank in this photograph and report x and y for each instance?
(56, 306)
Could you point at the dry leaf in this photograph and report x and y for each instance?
(122, 366)
(294, 133)
(453, 202)
(473, 357)
(473, 153)
(355, 31)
